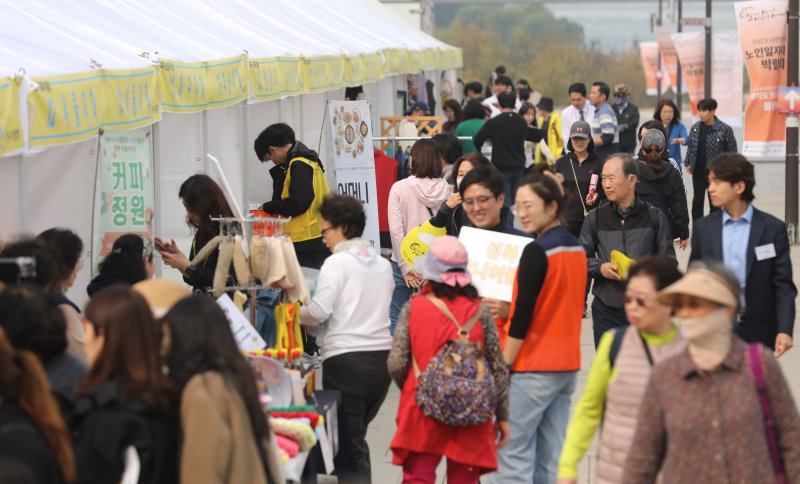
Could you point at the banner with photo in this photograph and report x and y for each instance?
(123, 189)
(763, 38)
(351, 130)
(649, 53)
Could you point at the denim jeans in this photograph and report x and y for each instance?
(400, 296)
(511, 179)
(605, 318)
(538, 417)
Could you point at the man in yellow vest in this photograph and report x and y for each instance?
(299, 185)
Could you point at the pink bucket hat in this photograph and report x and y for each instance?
(445, 262)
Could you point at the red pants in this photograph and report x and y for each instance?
(421, 469)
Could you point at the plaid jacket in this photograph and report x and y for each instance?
(720, 140)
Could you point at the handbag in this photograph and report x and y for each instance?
(754, 357)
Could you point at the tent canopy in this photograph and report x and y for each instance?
(87, 64)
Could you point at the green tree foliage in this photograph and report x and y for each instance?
(532, 43)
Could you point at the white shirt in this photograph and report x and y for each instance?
(350, 308)
(570, 114)
(491, 103)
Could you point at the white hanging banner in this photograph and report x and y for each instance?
(351, 130)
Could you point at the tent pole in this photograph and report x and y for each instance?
(155, 135)
(302, 118)
(245, 164)
(21, 191)
(204, 144)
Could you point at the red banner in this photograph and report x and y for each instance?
(763, 38)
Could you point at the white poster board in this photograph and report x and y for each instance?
(351, 129)
(493, 260)
(246, 336)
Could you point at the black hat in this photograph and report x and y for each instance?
(546, 104)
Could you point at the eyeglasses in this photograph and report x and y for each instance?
(481, 201)
(322, 232)
(516, 208)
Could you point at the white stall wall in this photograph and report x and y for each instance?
(10, 222)
(59, 192)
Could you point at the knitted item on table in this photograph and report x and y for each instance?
(288, 445)
(301, 433)
(312, 417)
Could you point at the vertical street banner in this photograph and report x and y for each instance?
(123, 189)
(351, 130)
(690, 47)
(669, 59)
(763, 38)
(727, 76)
(727, 79)
(649, 52)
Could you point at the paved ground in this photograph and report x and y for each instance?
(769, 197)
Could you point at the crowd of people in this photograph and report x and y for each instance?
(684, 380)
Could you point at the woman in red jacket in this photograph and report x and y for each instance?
(422, 330)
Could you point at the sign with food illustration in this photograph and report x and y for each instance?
(351, 130)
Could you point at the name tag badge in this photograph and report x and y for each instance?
(765, 252)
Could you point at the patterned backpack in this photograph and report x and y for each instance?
(456, 388)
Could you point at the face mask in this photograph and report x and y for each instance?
(709, 338)
(458, 181)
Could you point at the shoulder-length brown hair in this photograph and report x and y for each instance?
(676, 117)
(24, 383)
(426, 161)
(202, 196)
(130, 353)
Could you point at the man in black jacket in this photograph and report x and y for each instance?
(707, 138)
(627, 118)
(754, 245)
(298, 187)
(627, 224)
(508, 132)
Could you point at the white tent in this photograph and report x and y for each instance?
(57, 58)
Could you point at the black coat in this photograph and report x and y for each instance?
(105, 426)
(24, 450)
(664, 189)
(769, 290)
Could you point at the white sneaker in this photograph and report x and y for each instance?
(310, 361)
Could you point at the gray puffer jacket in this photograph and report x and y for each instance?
(643, 231)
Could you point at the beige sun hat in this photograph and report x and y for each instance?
(161, 294)
(701, 283)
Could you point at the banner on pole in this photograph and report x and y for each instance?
(124, 189)
(351, 130)
(669, 59)
(763, 36)
(727, 78)
(690, 47)
(649, 52)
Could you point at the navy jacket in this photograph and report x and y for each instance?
(769, 289)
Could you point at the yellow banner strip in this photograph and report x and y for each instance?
(74, 107)
(10, 122)
(195, 86)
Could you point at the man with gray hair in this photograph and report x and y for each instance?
(625, 224)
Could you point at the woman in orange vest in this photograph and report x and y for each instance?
(541, 337)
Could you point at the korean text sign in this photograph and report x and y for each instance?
(493, 260)
(125, 200)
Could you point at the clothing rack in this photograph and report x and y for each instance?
(275, 227)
